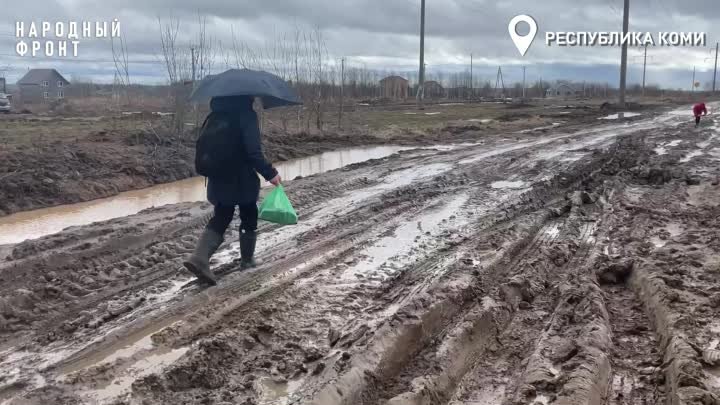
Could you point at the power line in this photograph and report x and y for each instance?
(623, 55)
(421, 75)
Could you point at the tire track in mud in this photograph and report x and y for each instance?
(636, 358)
(404, 202)
(383, 377)
(656, 357)
(471, 335)
(484, 367)
(542, 380)
(493, 376)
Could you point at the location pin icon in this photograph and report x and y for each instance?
(522, 42)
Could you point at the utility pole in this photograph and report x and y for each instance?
(717, 47)
(644, 56)
(693, 82)
(523, 92)
(644, 69)
(500, 82)
(623, 54)
(342, 90)
(421, 76)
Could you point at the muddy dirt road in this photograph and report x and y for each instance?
(563, 267)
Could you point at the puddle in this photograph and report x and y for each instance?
(551, 126)
(128, 351)
(34, 224)
(691, 155)
(541, 399)
(508, 184)
(673, 229)
(480, 120)
(553, 231)
(617, 116)
(121, 385)
(444, 148)
(658, 242)
(334, 207)
(505, 149)
(662, 149)
(271, 392)
(16, 362)
(599, 136)
(400, 243)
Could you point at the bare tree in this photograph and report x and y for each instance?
(177, 61)
(122, 68)
(206, 49)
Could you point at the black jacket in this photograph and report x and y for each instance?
(245, 188)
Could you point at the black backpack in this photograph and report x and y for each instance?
(218, 147)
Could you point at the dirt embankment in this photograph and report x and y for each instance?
(40, 175)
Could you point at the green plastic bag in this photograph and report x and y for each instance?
(277, 208)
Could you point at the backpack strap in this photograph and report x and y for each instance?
(206, 121)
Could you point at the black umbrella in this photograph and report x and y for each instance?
(274, 91)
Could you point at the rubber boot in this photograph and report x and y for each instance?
(199, 262)
(247, 249)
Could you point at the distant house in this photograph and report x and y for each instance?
(394, 88)
(433, 89)
(42, 86)
(563, 90)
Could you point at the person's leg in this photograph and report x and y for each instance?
(248, 234)
(221, 218)
(697, 120)
(209, 242)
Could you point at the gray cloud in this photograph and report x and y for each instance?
(380, 33)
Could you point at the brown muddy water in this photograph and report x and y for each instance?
(37, 223)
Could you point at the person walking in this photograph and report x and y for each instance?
(230, 150)
(699, 109)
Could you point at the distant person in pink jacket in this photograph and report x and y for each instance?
(699, 109)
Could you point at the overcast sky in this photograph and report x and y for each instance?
(383, 34)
